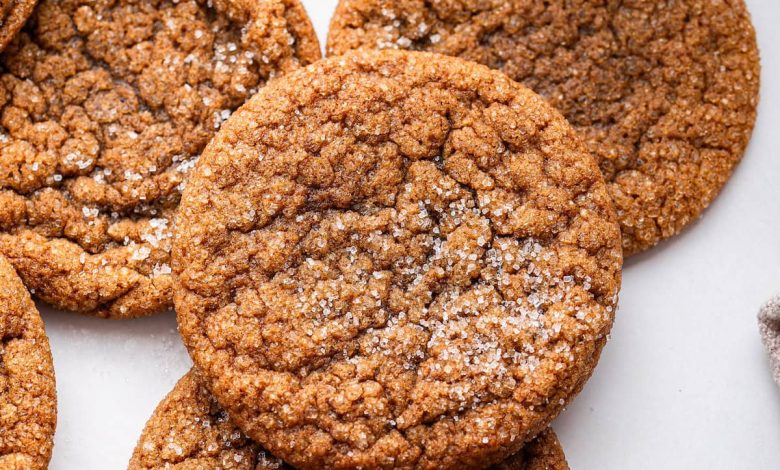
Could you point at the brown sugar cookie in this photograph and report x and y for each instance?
(104, 108)
(663, 93)
(395, 259)
(189, 430)
(13, 14)
(28, 399)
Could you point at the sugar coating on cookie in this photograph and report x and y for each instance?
(28, 400)
(13, 14)
(190, 430)
(664, 93)
(394, 259)
(105, 108)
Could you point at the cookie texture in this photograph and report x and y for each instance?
(395, 260)
(189, 430)
(28, 400)
(13, 14)
(104, 108)
(664, 93)
(543, 453)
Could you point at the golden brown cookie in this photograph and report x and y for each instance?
(189, 430)
(664, 93)
(105, 107)
(28, 399)
(395, 259)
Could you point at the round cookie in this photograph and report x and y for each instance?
(28, 398)
(189, 430)
(664, 93)
(395, 259)
(13, 14)
(105, 107)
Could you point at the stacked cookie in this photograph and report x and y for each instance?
(389, 258)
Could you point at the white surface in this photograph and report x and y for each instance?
(684, 383)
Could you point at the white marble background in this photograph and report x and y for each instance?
(684, 383)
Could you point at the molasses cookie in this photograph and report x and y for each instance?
(28, 399)
(190, 430)
(13, 14)
(395, 259)
(663, 93)
(104, 108)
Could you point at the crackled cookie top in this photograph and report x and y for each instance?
(28, 401)
(13, 14)
(189, 430)
(104, 108)
(664, 93)
(395, 259)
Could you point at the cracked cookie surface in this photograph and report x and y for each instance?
(189, 430)
(104, 109)
(395, 260)
(28, 399)
(663, 93)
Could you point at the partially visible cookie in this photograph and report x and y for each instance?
(105, 108)
(543, 453)
(13, 14)
(395, 258)
(28, 399)
(664, 93)
(189, 430)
